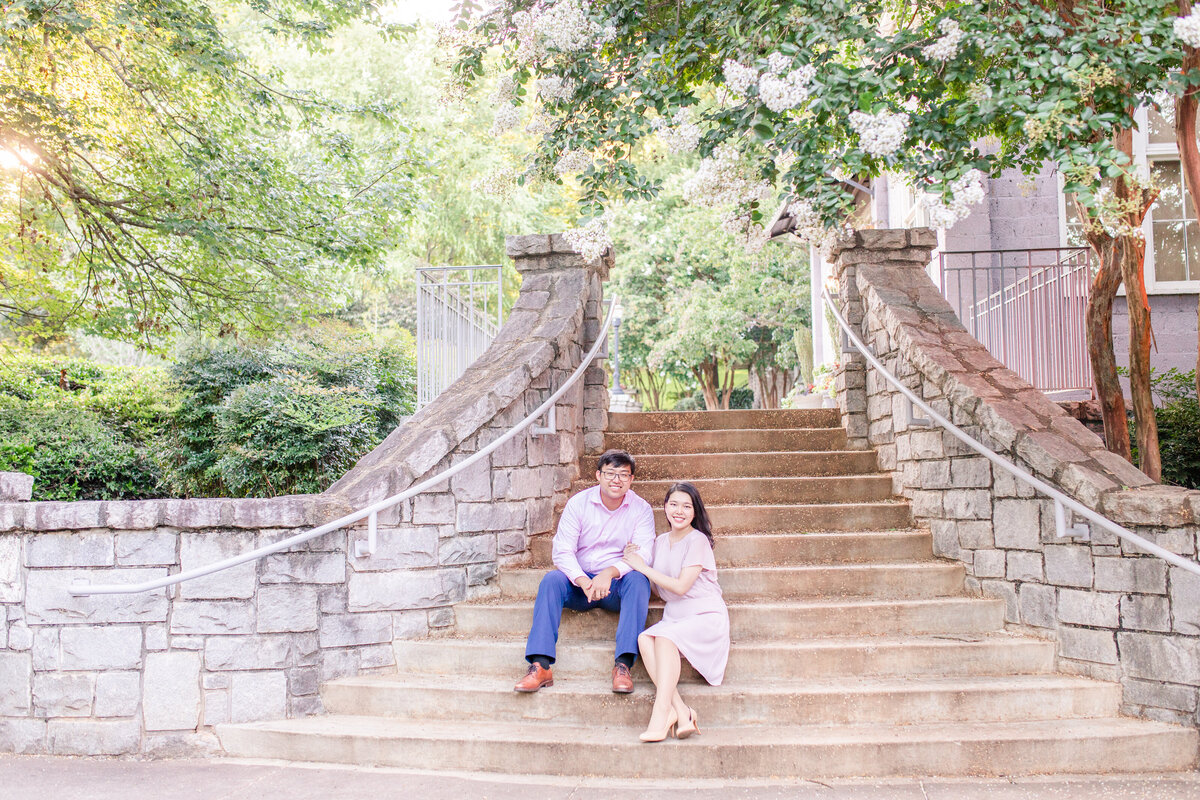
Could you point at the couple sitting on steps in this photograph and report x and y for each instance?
(606, 557)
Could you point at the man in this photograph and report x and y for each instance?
(592, 533)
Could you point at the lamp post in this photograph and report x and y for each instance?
(616, 390)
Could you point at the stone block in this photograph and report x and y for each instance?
(63, 694)
(267, 512)
(1097, 609)
(155, 637)
(146, 548)
(1016, 524)
(433, 509)
(416, 624)
(209, 617)
(101, 647)
(135, 515)
(304, 568)
(20, 637)
(45, 650)
(988, 564)
(22, 736)
(975, 534)
(85, 737)
(474, 484)
(304, 680)
(216, 707)
(1024, 566)
(935, 474)
(48, 600)
(262, 651)
(255, 696)
(72, 516)
(195, 514)
(1131, 574)
(1145, 612)
(1083, 644)
(1159, 695)
(12, 586)
(348, 630)
(478, 517)
(117, 694)
(1037, 603)
(401, 548)
(970, 473)
(90, 549)
(479, 574)
(304, 706)
(203, 549)
(384, 591)
(16, 683)
(1173, 659)
(968, 504)
(172, 691)
(287, 608)
(1006, 592)
(15, 487)
(1185, 600)
(375, 656)
(1069, 565)
(467, 550)
(927, 504)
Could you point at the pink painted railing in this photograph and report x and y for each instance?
(1027, 308)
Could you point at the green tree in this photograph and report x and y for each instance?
(154, 177)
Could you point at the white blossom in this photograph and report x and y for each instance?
(807, 224)
(777, 63)
(738, 78)
(555, 88)
(1187, 29)
(681, 135)
(591, 241)
(721, 182)
(965, 192)
(880, 134)
(505, 90)
(573, 161)
(946, 47)
(781, 93)
(563, 26)
(507, 117)
(499, 183)
(785, 161)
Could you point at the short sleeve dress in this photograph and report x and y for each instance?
(697, 622)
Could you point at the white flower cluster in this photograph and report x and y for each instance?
(681, 135)
(563, 26)
(505, 90)
(1187, 29)
(720, 182)
(777, 63)
(807, 224)
(965, 192)
(946, 47)
(781, 93)
(880, 134)
(785, 161)
(540, 122)
(499, 183)
(555, 88)
(738, 78)
(507, 117)
(572, 161)
(591, 241)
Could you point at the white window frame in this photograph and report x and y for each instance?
(1144, 155)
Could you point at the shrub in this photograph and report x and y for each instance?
(1178, 417)
(740, 397)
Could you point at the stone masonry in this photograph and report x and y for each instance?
(1115, 612)
(151, 673)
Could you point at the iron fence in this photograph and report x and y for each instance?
(459, 311)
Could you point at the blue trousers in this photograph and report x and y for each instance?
(629, 596)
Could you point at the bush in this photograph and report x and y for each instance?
(740, 397)
(288, 417)
(1178, 417)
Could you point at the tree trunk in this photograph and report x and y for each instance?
(1189, 152)
(708, 375)
(1100, 341)
(770, 385)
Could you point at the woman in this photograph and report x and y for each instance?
(695, 622)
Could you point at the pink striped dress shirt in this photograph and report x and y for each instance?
(591, 538)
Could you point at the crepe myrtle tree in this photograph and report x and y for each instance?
(787, 100)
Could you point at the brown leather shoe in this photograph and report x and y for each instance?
(622, 680)
(537, 677)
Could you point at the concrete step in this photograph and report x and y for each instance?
(731, 519)
(728, 441)
(1102, 745)
(758, 491)
(693, 466)
(778, 549)
(905, 580)
(887, 701)
(753, 661)
(718, 420)
(765, 620)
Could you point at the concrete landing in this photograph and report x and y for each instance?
(50, 778)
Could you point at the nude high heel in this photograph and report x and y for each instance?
(693, 726)
(657, 736)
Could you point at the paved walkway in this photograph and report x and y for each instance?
(58, 778)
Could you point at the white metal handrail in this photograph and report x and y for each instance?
(370, 513)
(1062, 501)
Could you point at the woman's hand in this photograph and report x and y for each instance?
(633, 557)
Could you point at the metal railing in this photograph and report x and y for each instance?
(1063, 503)
(1027, 307)
(371, 512)
(459, 312)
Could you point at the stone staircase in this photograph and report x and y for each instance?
(855, 651)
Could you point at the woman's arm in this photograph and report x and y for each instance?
(679, 585)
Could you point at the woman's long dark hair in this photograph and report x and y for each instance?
(700, 520)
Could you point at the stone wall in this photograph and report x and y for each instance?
(1116, 613)
(149, 673)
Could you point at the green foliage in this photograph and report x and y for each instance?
(289, 417)
(1178, 418)
(740, 397)
(156, 178)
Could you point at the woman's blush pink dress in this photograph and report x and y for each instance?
(697, 622)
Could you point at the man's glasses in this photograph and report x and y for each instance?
(616, 476)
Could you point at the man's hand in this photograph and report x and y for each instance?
(585, 583)
(602, 584)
